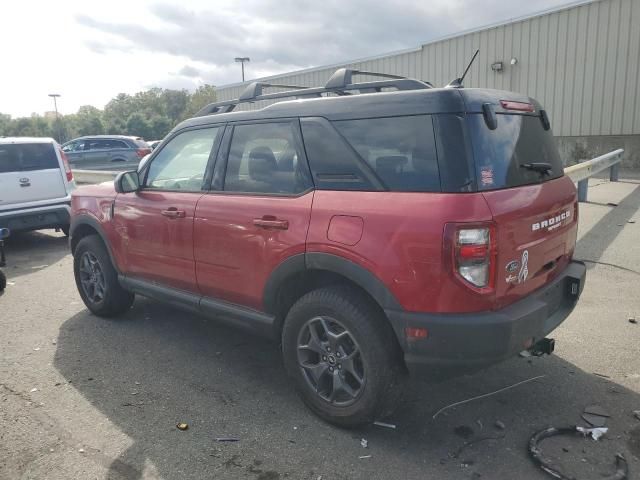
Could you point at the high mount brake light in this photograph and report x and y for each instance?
(519, 106)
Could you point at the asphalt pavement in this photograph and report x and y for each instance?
(83, 397)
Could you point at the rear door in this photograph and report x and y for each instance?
(535, 211)
(29, 172)
(257, 216)
(75, 152)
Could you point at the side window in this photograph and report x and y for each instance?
(97, 145)
(264, 158)
(400, 150)
(117, 144)
(182, 162)
(76, 146)
(334, 164)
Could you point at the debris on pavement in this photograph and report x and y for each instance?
(596, 410)
(227, 439)
(468, 443)
(362, 457)
(364, 443)
(81, 450)
(622, 469)
(595, 433)
(499, 425)
(636, 413)
(486, 395)
(33, 390)
(632, 320)
(182, 426)
(594, 420)
(385, 425)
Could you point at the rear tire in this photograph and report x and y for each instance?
(97, 279)
(3, 281)
(343, 356)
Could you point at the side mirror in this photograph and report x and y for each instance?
(127, 182)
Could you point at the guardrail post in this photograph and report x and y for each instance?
(613, 173)
(583, 185)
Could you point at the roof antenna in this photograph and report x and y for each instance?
(457, 83)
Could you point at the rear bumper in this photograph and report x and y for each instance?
(464, 342)
(48, 216)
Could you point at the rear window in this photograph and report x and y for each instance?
(501, 153)
(400, 150)
(23, 157)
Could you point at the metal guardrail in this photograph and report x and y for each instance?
(579, 173)
(93, 176)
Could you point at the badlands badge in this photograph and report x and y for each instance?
(513, 266)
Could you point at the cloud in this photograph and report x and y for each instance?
(293, 34)
(189, 71)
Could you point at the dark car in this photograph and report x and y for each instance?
(105, 152)
(371, 233)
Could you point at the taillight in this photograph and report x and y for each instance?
(141, 152)
(67, 167)
(520, 106)
(473, 252)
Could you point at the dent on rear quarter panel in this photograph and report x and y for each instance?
(401, 242)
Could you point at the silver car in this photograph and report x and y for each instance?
(106, 152)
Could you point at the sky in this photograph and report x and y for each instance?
(89, 51)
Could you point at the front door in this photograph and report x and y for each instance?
(257, 217)
(156, 223)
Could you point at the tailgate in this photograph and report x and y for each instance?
(29, 172)
(536, 235)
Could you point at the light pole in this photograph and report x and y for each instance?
(242, 60)
(55, 96)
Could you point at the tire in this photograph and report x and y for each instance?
(365, 381)
(97, 279)
(3, 281)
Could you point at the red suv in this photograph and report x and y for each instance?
(374, 228)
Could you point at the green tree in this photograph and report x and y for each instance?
(138, 125)
(204, 95)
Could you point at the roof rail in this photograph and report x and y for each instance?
(340, 83)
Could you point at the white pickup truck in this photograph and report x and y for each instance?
(35, 184)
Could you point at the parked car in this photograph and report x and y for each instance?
(153, 144)
(423, 230)
(35, 184)
(106, 152)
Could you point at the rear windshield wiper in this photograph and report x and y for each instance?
(538, 167)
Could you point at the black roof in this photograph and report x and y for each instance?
(354, 100)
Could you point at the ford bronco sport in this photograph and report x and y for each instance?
(378, 229)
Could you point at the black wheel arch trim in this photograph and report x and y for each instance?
(93, 223)
(332, 263)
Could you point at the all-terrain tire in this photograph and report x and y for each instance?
(91, 261)
(380, 362)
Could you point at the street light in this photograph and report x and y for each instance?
(55, 96)
(242, 60)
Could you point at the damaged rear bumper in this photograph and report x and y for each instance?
(464, 342)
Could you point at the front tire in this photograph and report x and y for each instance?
(97, 279)
(343, 356)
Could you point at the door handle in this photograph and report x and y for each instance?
(269, 221)
(173, 212)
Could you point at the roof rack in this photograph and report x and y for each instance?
(340, 83)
